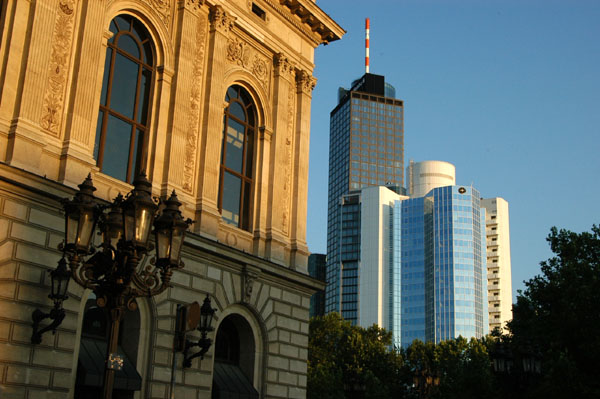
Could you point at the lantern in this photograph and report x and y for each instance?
(112, 224)
(60, 281)
(169, 229)
(138, 213)
(206, 316)
(81, 216)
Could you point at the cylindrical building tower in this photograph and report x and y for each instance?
(424, 176)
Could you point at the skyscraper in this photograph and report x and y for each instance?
(366, 148)
(498, 261)
(316, 268)
(419, 265)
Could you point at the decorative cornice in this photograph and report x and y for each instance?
(220, 20)
(308, 18)
(283, 66)
(305, 82)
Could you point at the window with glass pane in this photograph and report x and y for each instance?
(235, 183)
(122, 127)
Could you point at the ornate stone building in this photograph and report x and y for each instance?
(210, 98)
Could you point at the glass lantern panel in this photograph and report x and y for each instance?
(72, 226)
(86, 228)
(143, 225)
(163, 244)
(129, 224)
(176, 242)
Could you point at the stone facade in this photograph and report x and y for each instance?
(53, 56)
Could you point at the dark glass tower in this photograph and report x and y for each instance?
(366, 148)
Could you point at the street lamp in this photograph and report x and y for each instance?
(205, 326)
(112, 273)
(59, 278)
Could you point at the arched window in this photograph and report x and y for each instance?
(125, 100)
(239, 132)
(234, 360)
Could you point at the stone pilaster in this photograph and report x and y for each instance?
(191, 28)
(305, 85)
(81, 122)
(207, 212)
(278, 210)
(26, 138)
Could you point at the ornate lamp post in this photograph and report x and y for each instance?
(113, 273)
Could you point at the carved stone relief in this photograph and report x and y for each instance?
(249, 276)
(220, 20)
(242, 54)
(163, 8)
(283, 66)
(62, 39)
(191, 139)
(306, 82)
(287, 179)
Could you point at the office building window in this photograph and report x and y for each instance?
(236, 178)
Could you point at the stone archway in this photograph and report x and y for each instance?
(234, 356)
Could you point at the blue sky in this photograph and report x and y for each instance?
(508, 91)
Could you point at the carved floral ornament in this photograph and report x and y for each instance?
(62, 39)
(220, 20)
(283, 66)
(305, 81)
(240, 53)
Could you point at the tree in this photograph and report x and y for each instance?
(351, 361)
(559, 314)
(460, 368)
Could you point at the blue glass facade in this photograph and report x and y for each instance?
(438, 267)
(366, 148)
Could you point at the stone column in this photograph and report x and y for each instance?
(39, 103)
(13, 52)
(82, 118)
(181, 146)
(278, 211)
(207, 213)
(305, 85)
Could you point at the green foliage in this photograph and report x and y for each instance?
(559, 314)
(463, 367)
(342, 357)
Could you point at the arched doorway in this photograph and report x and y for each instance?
(234, 360)
(92, 354)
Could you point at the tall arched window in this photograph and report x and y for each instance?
(125, 101)
(239, 132)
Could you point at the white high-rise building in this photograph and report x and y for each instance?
(497, 234)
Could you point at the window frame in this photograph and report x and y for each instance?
(140, 122)
(247, 173)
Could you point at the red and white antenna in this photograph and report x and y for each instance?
(367, 28)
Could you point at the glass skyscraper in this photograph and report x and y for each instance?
(439, 285)
(366, 148)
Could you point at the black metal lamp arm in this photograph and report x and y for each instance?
(57, 314)
(203, 343)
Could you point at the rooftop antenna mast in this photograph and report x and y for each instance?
(367, 28)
